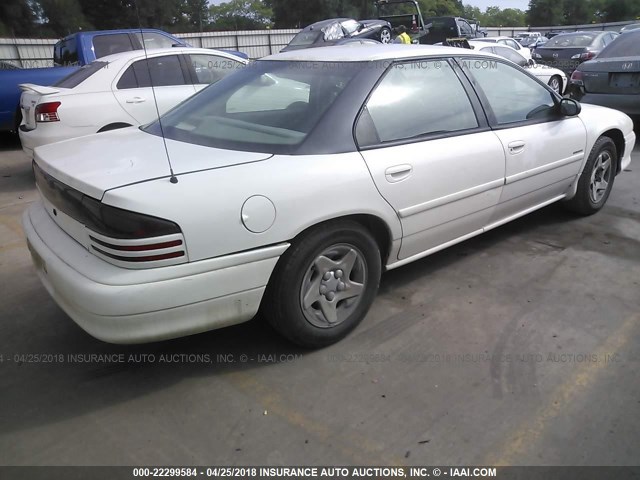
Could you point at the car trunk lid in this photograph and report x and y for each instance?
(612, 75)
(560, 57)
(105, 161)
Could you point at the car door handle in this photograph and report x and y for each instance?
(136, 100)
(516, 147)
(397, 173)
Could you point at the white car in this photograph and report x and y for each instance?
(509, 42)
(387, 155)
(116, 91)
(553, 77)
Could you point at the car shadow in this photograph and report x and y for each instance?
(82, 374)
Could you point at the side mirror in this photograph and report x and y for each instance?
(570, 107)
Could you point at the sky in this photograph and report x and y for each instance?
(481, 4)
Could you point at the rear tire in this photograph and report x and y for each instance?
(385, 35)
(596, 181)
(324, 284)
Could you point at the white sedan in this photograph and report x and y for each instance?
(365, 160)
(509, 42)
(553, 77)
(116, 91)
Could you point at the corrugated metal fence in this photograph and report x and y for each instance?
(33, 53)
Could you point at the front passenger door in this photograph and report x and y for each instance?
(431, 157)
(544, 150)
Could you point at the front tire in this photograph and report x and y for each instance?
(596, 180)
(385, 35)
(324, 284)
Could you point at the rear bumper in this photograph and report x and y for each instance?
(131, 306)
(629, 104)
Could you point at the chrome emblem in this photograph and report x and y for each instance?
(627, 66)
(555, 55)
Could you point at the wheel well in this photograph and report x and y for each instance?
(375, 225)
(618, 140)
(114, 126)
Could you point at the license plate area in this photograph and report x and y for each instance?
(624, 80)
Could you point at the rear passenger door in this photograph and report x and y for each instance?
(168, 76)
(431, 153)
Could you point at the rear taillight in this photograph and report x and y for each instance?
(577, 76)
(142, 253)
(584, 56)
(47, 112)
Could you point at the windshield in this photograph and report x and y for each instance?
(79, 76)
(271, 106)
(571, 40)
(627, 45)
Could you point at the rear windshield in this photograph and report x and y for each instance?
(627, 45)
(79, 76)
(269, 107)
(65, 53)
(306, 38)
(572, 40)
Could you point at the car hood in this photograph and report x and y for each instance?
(97, 163)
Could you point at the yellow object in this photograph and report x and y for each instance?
(406, 39)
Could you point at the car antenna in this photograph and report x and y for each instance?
(172, 178)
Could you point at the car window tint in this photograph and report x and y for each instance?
(152, 40)
(79, 76)
(211, 68)
(306, 38)
(509, 54)
(465, 28)
(420, 98)
(104, 45)
(271, 92)
(626, 45)
(157, 71)
(513, 44)
(65, 53)
(512, 95)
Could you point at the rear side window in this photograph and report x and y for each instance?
(79, 76)
(65, 53)
(626, 45)
(157, 71)
(416, 99)
(104, 45)
(509, 54)
(150, 40)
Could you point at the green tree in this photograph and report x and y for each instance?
(62, 17)
(17, 18)
(240, 15)
(545, 13)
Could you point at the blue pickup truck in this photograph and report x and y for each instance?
(69, 54)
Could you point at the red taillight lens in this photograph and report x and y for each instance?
(47, 112)
(577, 76)
(587, 56)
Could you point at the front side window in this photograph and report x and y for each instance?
(512, 95)
(212, 68)
(270, 107)
(104, 45)
(416, 99)
(156, 71)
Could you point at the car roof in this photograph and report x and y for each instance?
(328, 21)
(156, 52)
(369, 53)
